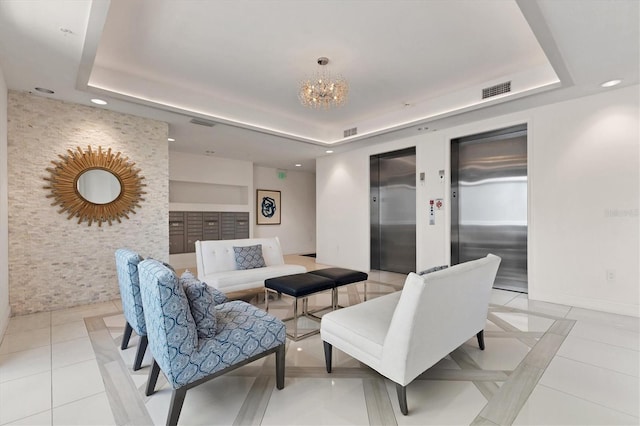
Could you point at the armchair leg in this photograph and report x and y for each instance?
(402, 398)
(328, 349)
(480, 337)
(142, 347)
(280, 355)
(153, 378)
(126, 337)
(177, 399)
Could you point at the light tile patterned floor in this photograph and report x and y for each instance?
(543, 364)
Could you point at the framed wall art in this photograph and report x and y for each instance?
(268, 207)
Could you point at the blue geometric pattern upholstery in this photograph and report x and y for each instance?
(249, 257)
(243, 333)
(171, 329)
(218, 296)
(202, 304)
(127, 268)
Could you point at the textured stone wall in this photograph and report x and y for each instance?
(55, 262)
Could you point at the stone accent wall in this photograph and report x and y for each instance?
(54, 262)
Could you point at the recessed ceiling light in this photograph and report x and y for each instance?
(98, 101)
(329, 151)
(43, 90)
(171, 139)
(611, 83)
(298, 165)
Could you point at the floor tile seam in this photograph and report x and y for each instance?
(538, 372)
(30, 415)
(484, 420)
(507, 373)
(77, 400)
(604, 320)
(70, 340)
(587, 339)
(75, 363)
(472, 364)
(26, 349)
(513, 334)
(584, 399)
(12, 333)
(597, 366)
(54, 407)
(603, 323)
(25, 376)
(503, 308)
(378, 401)
(502, 324)
(254, 401)
(103, 369)
(526, 364)
(540, 311)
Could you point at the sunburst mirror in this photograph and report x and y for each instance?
(95, 186)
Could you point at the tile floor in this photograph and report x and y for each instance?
(544, 364)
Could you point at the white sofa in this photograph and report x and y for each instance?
(216, 264)
(402, 334)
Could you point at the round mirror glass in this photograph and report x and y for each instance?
(99, 186)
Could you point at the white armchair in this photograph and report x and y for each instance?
(402, 334)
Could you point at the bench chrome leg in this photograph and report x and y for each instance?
(266, 299)
(295, 317)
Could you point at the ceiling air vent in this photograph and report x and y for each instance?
(351, 132)
(496, 90)
(201, 122)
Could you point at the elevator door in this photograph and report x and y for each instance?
(393, 211)
(489, 202)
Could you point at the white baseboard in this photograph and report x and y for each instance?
(629, 309)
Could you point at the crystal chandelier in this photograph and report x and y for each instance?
(323, 90)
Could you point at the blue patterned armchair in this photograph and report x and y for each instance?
(127, 267)
(191, 348)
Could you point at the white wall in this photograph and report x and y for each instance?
(583, 200)
(297, 231)
(585, 161)
(228, 179)
(225, 177)
(5, 309)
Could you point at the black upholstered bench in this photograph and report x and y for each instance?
(298, 286)
(342, 276)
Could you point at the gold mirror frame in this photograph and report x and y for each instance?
(63, 184)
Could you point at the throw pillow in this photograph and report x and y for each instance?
(249, 257)
(434, 269)
(218, 296)
(202, 306)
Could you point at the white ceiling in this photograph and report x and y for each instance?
(410, 64)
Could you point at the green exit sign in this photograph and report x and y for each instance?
(282, 174)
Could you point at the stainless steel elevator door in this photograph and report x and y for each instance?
(489, 202)
(393, 211)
